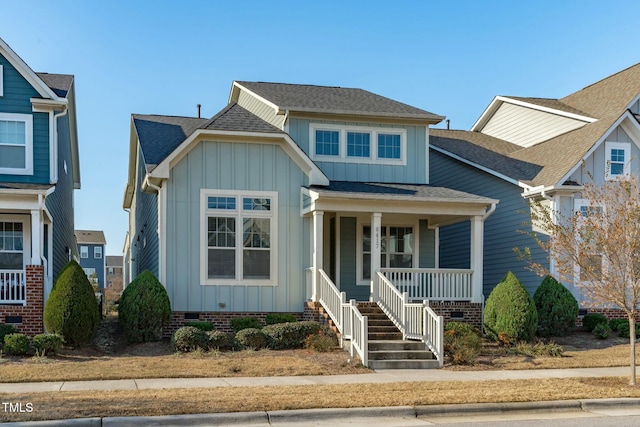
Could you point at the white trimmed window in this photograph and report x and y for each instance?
(357, 144)
(11, 245)
(238, 233)
(16, 144)
(84, 251)
(618, 159)
(97, 252)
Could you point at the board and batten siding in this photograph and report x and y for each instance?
(501, 233)
(593, 168)
(525, 126)
(17, 100)
(234, 166)
(414, 172)
(260, 109)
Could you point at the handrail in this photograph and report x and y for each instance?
(13, 287)
(359, 333)
(331, 298)
(434, 333)
(432, 283)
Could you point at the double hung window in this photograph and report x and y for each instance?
(11, 246)
(239, 237)
(396, 248)
(618, 157)
(16, 144)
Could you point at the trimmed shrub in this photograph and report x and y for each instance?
(623, 330)
(602, 331)
(614, 324)
(557, 308)
(218, 340)
(591, 320)
(251, 338)
(462, 342)
(241, 323)
(205, 326)
(6, 329)
(320, 342)
(189, 338)
(283, 336)
(510, 311)
(17, 344)
(47, 343)
(275, 318)
(72, 310)
(144, 309)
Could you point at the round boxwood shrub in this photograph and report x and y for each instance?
(6, 330)
(205, 326)
(614, 324)
(218, 340)
(510, 312)
(624, 331)
(251, 338)
(601, 331)
(275, 318)
(591, 320)
(557, 308)
(47, 343)
(72, 310)
(144, 309)
(462, 342)
(189, 338)
(284, 336)
(240, 323)
(17, 344)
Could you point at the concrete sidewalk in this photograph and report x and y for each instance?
(379, 377)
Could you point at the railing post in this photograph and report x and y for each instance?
(365, 341)
(374, 287)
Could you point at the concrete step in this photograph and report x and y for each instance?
(403, 364)
(380, 322)
(395, 345)
(383, 328)
(384, 336)
(401, 355)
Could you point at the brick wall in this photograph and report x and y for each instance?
(459, 311)
(222, 321)
(31, 314)
(610, 313)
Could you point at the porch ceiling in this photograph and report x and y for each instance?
(419, 199)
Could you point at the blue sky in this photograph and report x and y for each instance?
(447, 57)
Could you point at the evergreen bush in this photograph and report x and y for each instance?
(71, 309)
(557, 308)
(510, 312)
(275, 318)
(144, 309)
(17, 344)
(47, 343)
(251, 338)
(241, 323)
(189, 338)
(205, 326)
(591, 320)
(602, 331)
(614, 324)
(284, 336)
(6, 329)
(462, 342)
(218, 340)
(623, 330)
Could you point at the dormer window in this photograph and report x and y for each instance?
(618, 157)
(357, 144)
(16, 144)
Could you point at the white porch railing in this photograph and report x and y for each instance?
(331, 299)
(415, 321)
(432, 283)
(13, 288)
(359, 333)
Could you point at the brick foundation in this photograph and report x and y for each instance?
(459, 311)
(609, 313)
(222, 321)
(31, 314)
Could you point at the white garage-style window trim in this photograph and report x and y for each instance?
(238, 232)
(16, 144)
(618, 159)
(357, 144)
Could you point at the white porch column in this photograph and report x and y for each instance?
(376, 248)
(36, 238)
(477, 257)
(316, 259)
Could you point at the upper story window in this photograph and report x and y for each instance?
(97, 252)
(238, 231)
(358, 144)
(618, 159)
(16, 144)
(84, 251)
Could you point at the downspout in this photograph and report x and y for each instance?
(55, 141)
(491, 210)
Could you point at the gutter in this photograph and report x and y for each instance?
(491, 210)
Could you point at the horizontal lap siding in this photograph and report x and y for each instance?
(234, 166)
(501, 228)
(144, 238)
(260, 109)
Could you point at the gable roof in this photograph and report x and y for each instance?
(95, 237)
(60, 84)
(113, 261)
(304, 98)
(549, 162)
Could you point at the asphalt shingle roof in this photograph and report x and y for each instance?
(333, 99)
(90, 236)
(398, 191)
(235, 118)
(60, 84)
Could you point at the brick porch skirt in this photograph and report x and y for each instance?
(28, 318)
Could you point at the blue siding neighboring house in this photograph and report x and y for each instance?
(39, 170)
(91, 249)
(243, 212)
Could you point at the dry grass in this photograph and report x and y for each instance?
(60, 405)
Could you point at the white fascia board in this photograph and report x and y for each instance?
(547, 109)
(626, 115)
(39, 105)
(486, 114)
(482, 168)
(316, 176)
(237, 87)
(26, 72)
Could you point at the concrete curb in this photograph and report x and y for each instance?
(595, 404)
(190, 420)
(493, 408)
(341, 413)
(76, 422)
